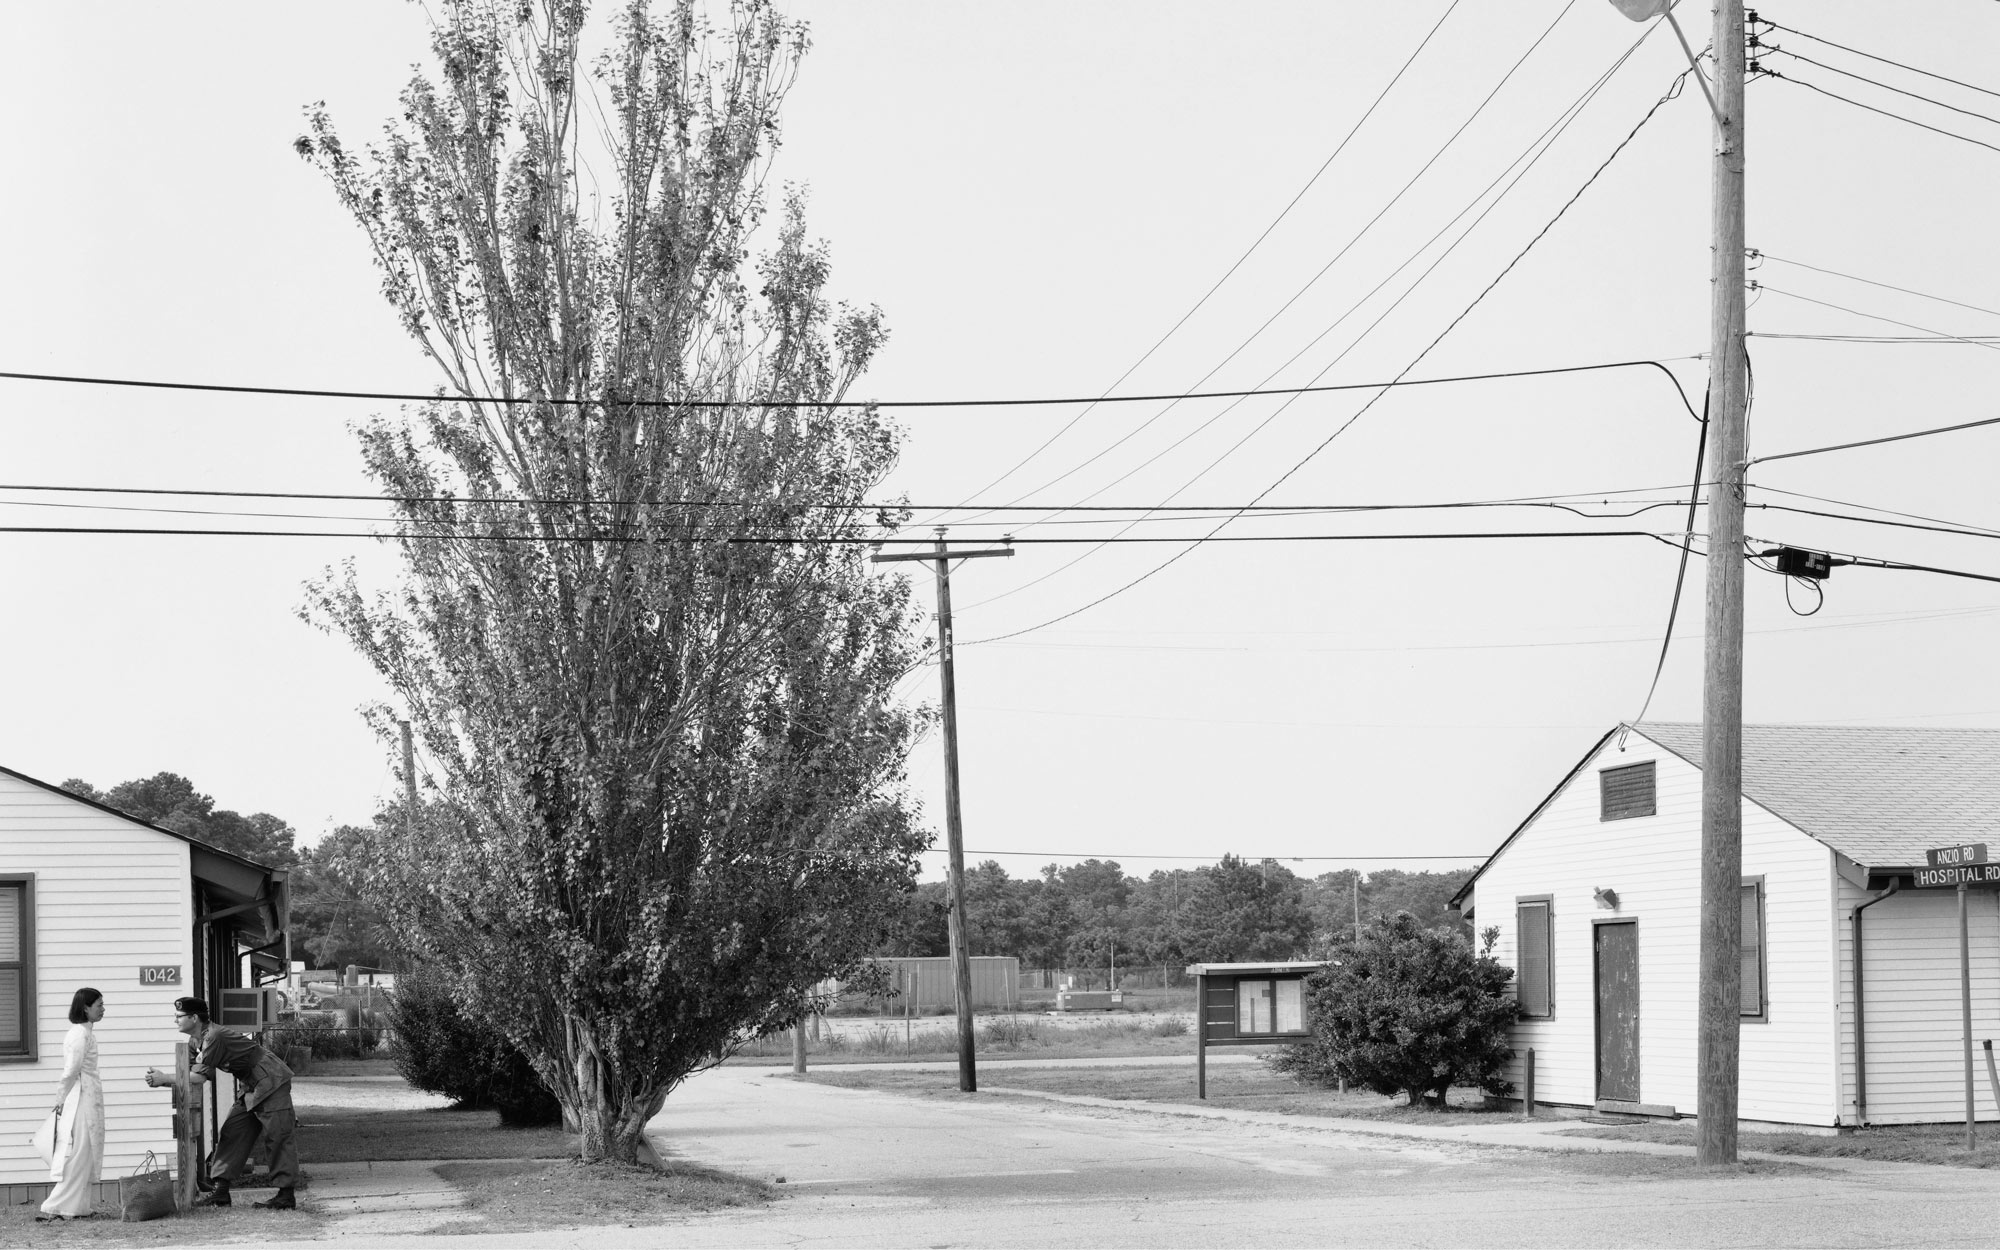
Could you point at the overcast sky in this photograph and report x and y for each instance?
(1035, 194)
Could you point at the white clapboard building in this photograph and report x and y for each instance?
(92, 897)
(1596, 899)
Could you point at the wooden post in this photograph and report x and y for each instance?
(187, 1094)
(1965, 1008)
(1719, 1001)
(799, 1048)
(1528, 1086)
(1200, 1036)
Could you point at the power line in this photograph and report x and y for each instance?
(1845, 73)
(1976, 340)
(1337, 256)
(1255, 244)
(309, 393)
(1883, 59)
(1846, 503)
(803, 540)
(1874, 442)
(1763, 286)
(1887, 286)
(1680, 573)
(1532, 154)
(1671, 93)
(1834, 95)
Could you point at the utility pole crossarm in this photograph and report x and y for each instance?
(893, 557)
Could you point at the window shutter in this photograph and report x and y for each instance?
(11, 943)
(1531, 926)
(1626, 792)
(1753, 952)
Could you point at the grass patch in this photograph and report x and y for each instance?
(205, 1226)
(1942, 1144)
(1008, 1036)
(357, 1135)
(1250, 1086)
(516, 1196)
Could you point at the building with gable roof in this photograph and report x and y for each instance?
(90, 896)
(1596, 900)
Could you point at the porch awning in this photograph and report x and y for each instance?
(253, 900)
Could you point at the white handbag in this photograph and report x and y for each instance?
(45, 1138)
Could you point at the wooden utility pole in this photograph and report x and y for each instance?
(961, 958)
(1718, 1018)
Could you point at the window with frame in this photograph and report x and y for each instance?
(17, 969)
(1754, 996)
(1534, 984)
(1625, 793)
(1270, 1007)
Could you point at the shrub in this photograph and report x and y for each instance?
(1172, 1026)
(1406, 1010)
(441, 1049)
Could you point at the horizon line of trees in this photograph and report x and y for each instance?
(1077, 918)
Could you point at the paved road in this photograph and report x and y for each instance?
(869, 1169)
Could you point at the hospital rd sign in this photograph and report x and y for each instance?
(1958, 867)
(1964, 864)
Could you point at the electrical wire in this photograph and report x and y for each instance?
(1883, 59)
(223, 388)
(1680, 573)
(441, 535)
(1976, 340)
(1887, 286)
(1535, 150)
(1227, 274)
(1672, 92)
(1846, 73)
(1834, 95)
(1875, 442)
(1345, 248)
(1843, 503)
(1870, 316)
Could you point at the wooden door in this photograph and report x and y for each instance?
(1617, 963)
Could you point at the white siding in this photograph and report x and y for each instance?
(1653, 863)
(1916, 1036)
(110, 896)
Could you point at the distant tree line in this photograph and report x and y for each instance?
(332, 926)
(1236, 910)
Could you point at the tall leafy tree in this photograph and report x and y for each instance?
(650, 668)
(171, 801)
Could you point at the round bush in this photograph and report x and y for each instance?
(440, 1049)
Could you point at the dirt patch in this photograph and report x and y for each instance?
(518, 1196)
(205, 1226)
(357, 1134)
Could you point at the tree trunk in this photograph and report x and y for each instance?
(609, 1128)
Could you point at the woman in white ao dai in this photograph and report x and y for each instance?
(79, 1156)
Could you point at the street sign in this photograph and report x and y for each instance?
(1970, 874)
(1953, 856)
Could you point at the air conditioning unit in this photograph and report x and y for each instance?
(250, 1010)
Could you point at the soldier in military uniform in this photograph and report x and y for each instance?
(263, 1104)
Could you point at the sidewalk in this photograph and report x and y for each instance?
(1509, 1132)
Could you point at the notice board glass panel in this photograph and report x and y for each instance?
(1253, 1006)
(1291, 1012)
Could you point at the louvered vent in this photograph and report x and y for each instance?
(1626, 792)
